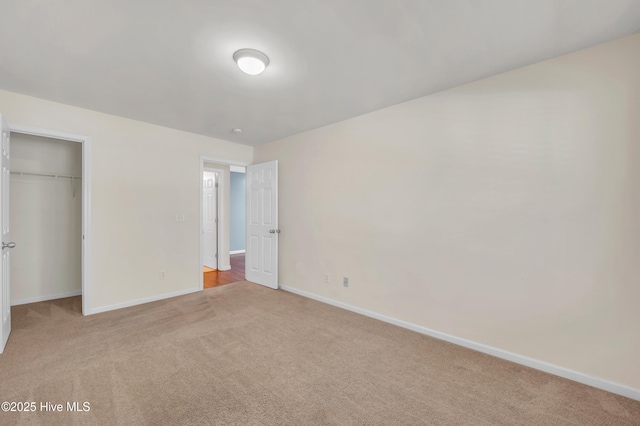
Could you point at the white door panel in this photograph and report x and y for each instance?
(210, 219)
(5, 273)
(262, 224)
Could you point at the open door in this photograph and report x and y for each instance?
(210, 219)
(261, 263)
(7, 245)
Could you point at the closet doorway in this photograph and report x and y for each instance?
(49, 199)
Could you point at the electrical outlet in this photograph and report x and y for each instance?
(163, 275)
(327, 278)
(345, 281)
(179, 218)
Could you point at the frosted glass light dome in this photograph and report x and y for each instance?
(251, 61)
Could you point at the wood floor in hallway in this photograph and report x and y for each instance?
(236, 273)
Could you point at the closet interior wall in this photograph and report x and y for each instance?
(46, 218)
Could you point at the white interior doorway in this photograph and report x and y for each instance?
(210, 180)
(46, 218)
(223, 168)
(50, 171)
(261, 219)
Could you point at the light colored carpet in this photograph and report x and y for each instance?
(242, 354)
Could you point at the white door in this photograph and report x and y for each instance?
(7, 245)
(261, 263)
(210, 219)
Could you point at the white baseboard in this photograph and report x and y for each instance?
(576, 376)
(237, 251)
(225, 268)
(141, 301)
(44, 298)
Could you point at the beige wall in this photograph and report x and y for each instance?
(505, 211)
(142, 176)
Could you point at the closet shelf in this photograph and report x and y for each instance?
(47, 175)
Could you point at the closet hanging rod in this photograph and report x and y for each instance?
(48, 175)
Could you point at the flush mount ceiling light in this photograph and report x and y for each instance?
(251, 61)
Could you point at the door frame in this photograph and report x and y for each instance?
(219, 211)
(86, 197)
(203, 160)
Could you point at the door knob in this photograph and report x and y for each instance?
(272, 231)
(10, 245)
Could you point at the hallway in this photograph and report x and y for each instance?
(217, 278)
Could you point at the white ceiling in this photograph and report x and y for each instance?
(169, 62)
